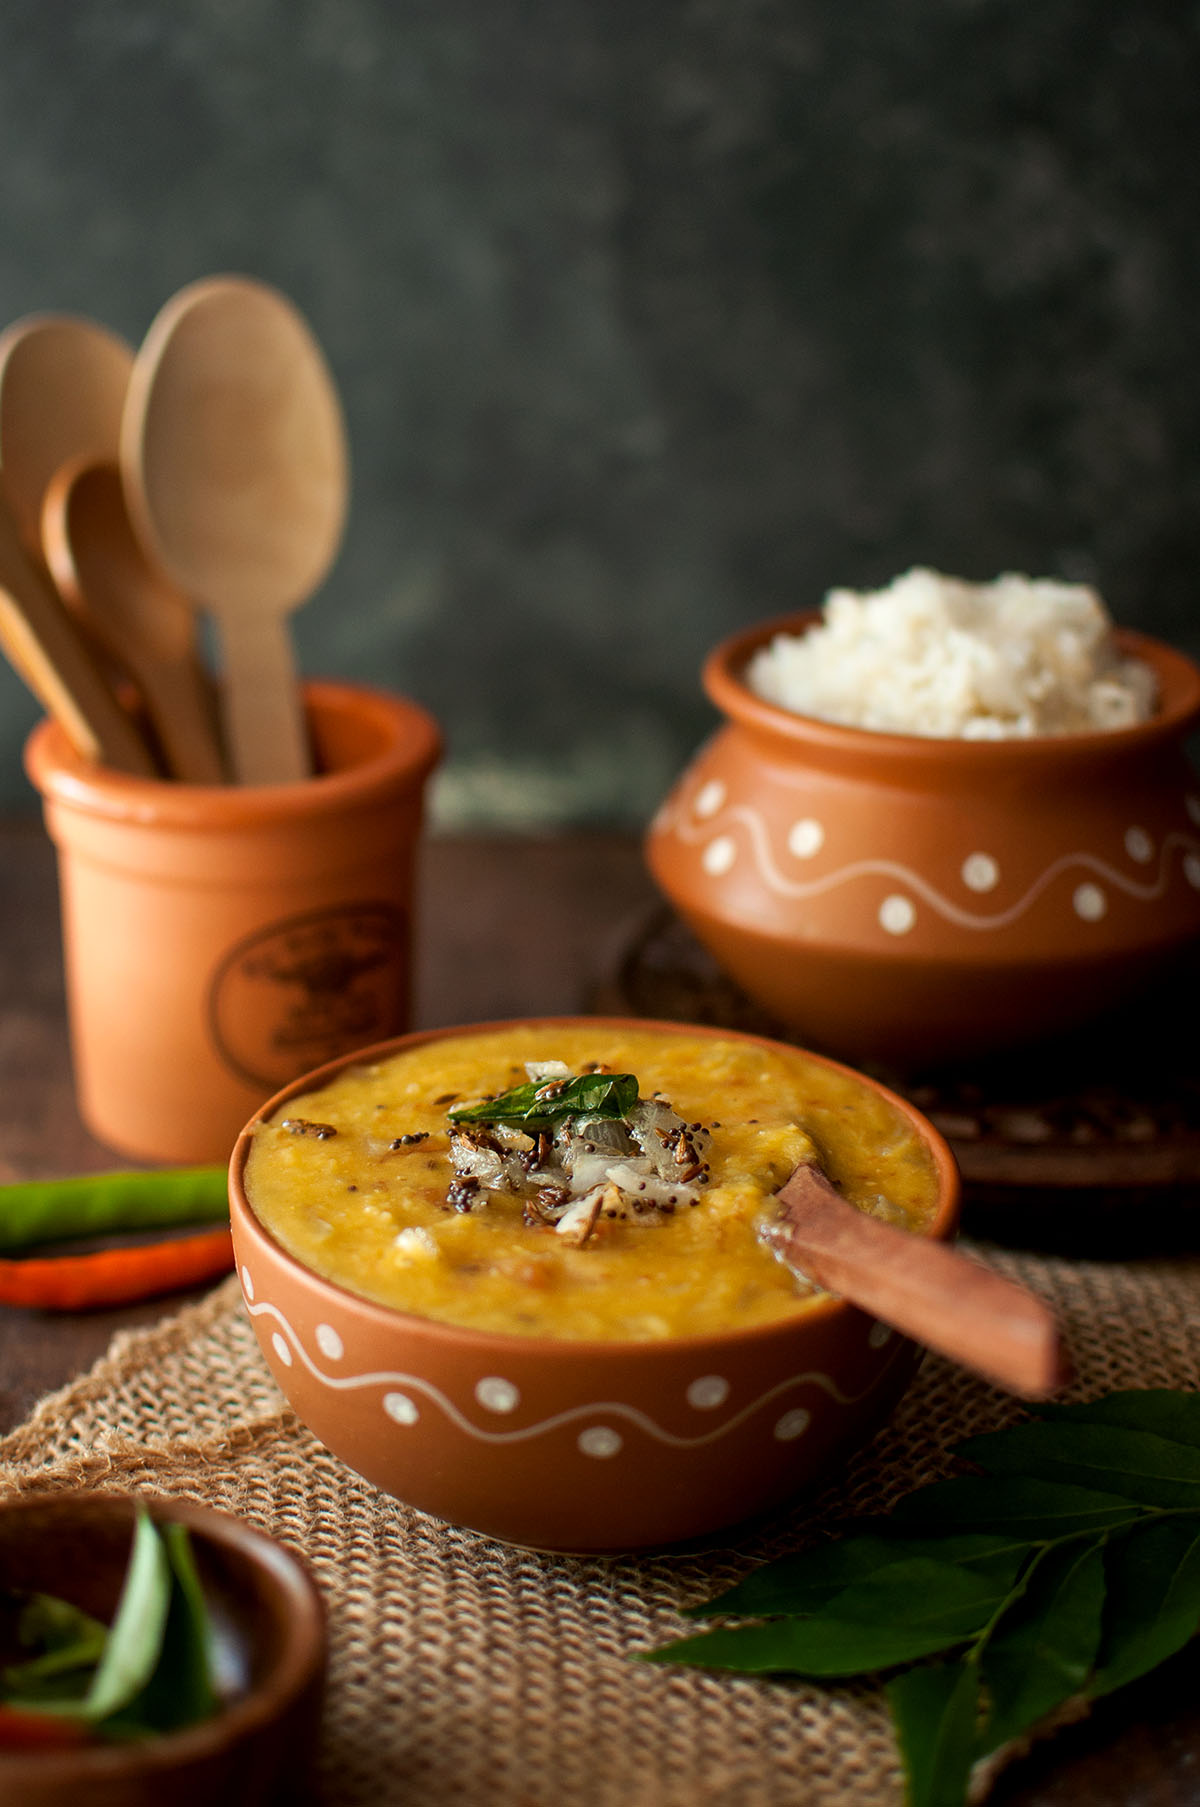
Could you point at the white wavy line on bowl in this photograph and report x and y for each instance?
(892, 869)
(605, 1408)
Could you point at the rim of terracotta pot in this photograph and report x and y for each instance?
(410, 745)
(1179, 708)
(825, 1307)
(297, 1665)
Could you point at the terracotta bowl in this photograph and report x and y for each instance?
(562, 1445)
(268, 1618)
(917, 900)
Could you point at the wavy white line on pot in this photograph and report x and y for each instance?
(597, 1408)
(892, 870)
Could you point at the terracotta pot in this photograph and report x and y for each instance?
(260, 1748)
(916, 899)
(564, 1445)
(219, 939)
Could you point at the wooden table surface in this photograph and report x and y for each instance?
(508, 926)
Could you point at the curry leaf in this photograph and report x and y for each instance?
(1164, 1411)
(136, 1636)
(179, 1690)
(807, 1581)
(1044, 1648)
(817, 1647)
(543, 1103)
(934, 1710)
(1153, 1576)
(1034, 1509)
(1134, 1464)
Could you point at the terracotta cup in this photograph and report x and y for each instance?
(219, 940)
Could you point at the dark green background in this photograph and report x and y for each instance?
(652, 319)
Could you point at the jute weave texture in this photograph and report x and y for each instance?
(463, 1671)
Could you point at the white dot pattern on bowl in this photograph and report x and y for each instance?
(879, 1335)
(1090, 903)
(330, 1343)
(400, 1408)
(1191, 870)
(708, 1392)
(719, 856)
(282, 1348)
(247, 1283)
(980, 872)
(897, 914)
(1138, 845)
(805, 838)
(793, 1424)
(710, 798)
(496, 1394)
(600, 1440)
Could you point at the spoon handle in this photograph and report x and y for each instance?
(47, 651)
(923, 1288)
(180, 704)
(265, 730)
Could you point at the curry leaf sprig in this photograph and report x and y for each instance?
(1069, 1566)
(541, 1104)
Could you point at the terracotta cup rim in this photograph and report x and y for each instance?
(723, 678)
(299, 1662)
(410, 745)
(824, 1309)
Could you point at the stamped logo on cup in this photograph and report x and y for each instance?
(299, 992)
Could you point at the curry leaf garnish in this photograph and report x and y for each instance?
(1069, 1567)
(541, 1104)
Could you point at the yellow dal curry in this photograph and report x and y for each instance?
(331, 1178)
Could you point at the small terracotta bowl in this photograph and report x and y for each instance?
(563, 1445)
(270, 1623)
(915, 900)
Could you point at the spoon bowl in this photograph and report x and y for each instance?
(234, 461)
(139, 617)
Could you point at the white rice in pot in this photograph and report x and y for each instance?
(937, 656)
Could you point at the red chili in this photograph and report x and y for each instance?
(22, 1731)
(115, 1276)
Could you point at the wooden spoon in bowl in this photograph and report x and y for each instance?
(48, 651)
(140, 619)
(925, 1289)
(62, 394)
(233, 455)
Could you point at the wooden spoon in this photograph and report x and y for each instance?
(140, 618)
(926, 1289)
(48, 651)
(62, 394)
(234, 459)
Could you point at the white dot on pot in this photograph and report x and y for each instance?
(1138, 845)
(792, 1425)
(805, 838)
(247, 1283)
(280, 1345)
(1090, 902)
(879, 1335)
(980, 872)
(497, 1395)
(710, 1391)
(719, 856)
(897, 914)
(400, 1408)
(599, 1440)
(330, 1343)
(1191, 870)
(710, 798)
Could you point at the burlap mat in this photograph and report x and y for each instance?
(465, 1671)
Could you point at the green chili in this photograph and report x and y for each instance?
(36, 1211)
